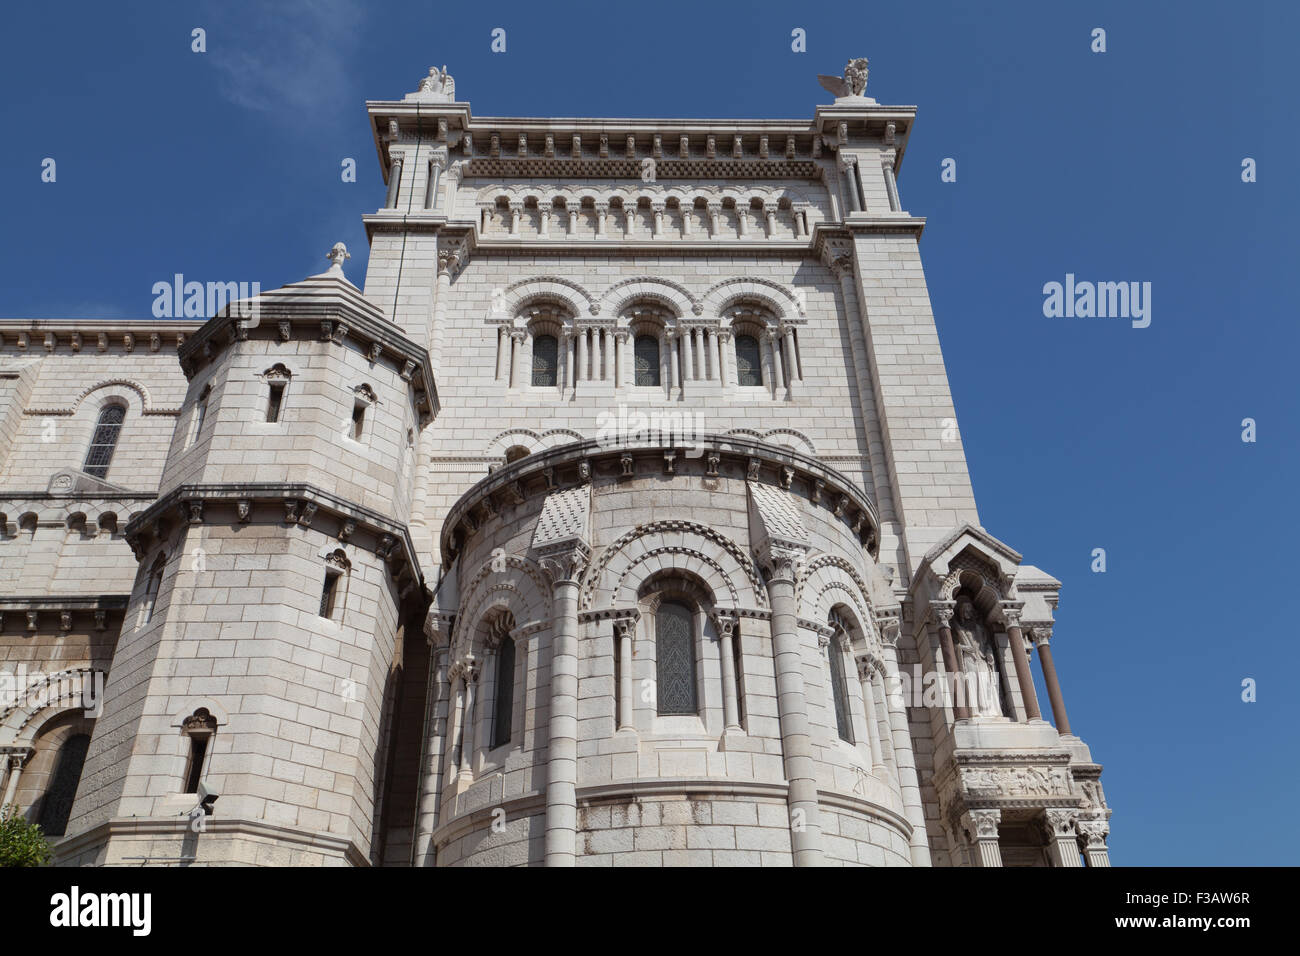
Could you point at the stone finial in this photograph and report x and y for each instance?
(336, 257)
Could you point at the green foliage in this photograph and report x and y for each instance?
(21, 843)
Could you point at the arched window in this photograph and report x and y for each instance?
(200, 414)
(749, 362)
(333, 595)
(646, 355)
(840, 689)
(546, 360)
(200, 727)
(504, 704)
(56, 806)
(102, 443)
(675, 659)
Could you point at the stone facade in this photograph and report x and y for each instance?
(620, 519)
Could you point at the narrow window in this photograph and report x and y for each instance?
(749, 365)
(56, 805)
(675, 659)
(505, 693)
(274, 399)
(839, 691)
(546, 357)
(200, 415)
(646, 355)
(358, 419)
(329, 593)
(199, 727)
(151, 589)
(104, 440)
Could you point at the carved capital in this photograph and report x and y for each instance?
(1061, 823)
(565, 566)
(982, 824)
(1093, 833)
(941, 612)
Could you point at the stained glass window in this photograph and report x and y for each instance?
(749, 363)
(505, 691)
(107, 430)
(546, 355)
(646, 353)
(840, 692)
(675, 659)
(57, 803)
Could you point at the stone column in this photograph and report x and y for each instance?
(866, 677)
(1042, 641)
(726, 376)
(503, 352)
(796, 216)
(431, 187)
(908, 786)
(620, 346)
(881, 717)
(711, 351)
(15, 762)
(941, 613)
(469, 737)
(626, 363)
(394, 181)
(891, 184)
(773, 350)
(1011, 615)
(580, 372)
(658, 209)
(982, 830)
(725, 622)
(546, 221)
(564, 569)
(516, 216)
(1093, 833)
(435, 723)
(1063, 840)
(670, 337)
(792, 707)
(848, 169)
(562, 372)
(457, 717)
(688, 358)
(714, 212)
(573, 220)
(742, 220)
(607, 355)
(448, 262)
(602, 212)
(624, 629)
(770, 215)
(516, 354)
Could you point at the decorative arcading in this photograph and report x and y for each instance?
(12, 731)
(600, 564)
(676, 296)
(833, 560)
(620, 596)
(146, 400)
(775, 295)
(808, 449)
(527, 611)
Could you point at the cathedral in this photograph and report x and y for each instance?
(617, 516)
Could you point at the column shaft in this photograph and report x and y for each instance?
(1023, 675)
(792, 706)
(1059, 717)
(435, 722)
(909, 787)
(562, 736)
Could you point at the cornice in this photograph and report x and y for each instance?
(186, 504)
(595, 459)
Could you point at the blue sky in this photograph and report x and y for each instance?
(1080, 433)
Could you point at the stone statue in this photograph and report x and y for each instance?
(976, 657)
(438, 85)
(853, 82)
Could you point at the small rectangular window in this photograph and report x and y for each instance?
(273, 402)
(329, 594)
(358, 420)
